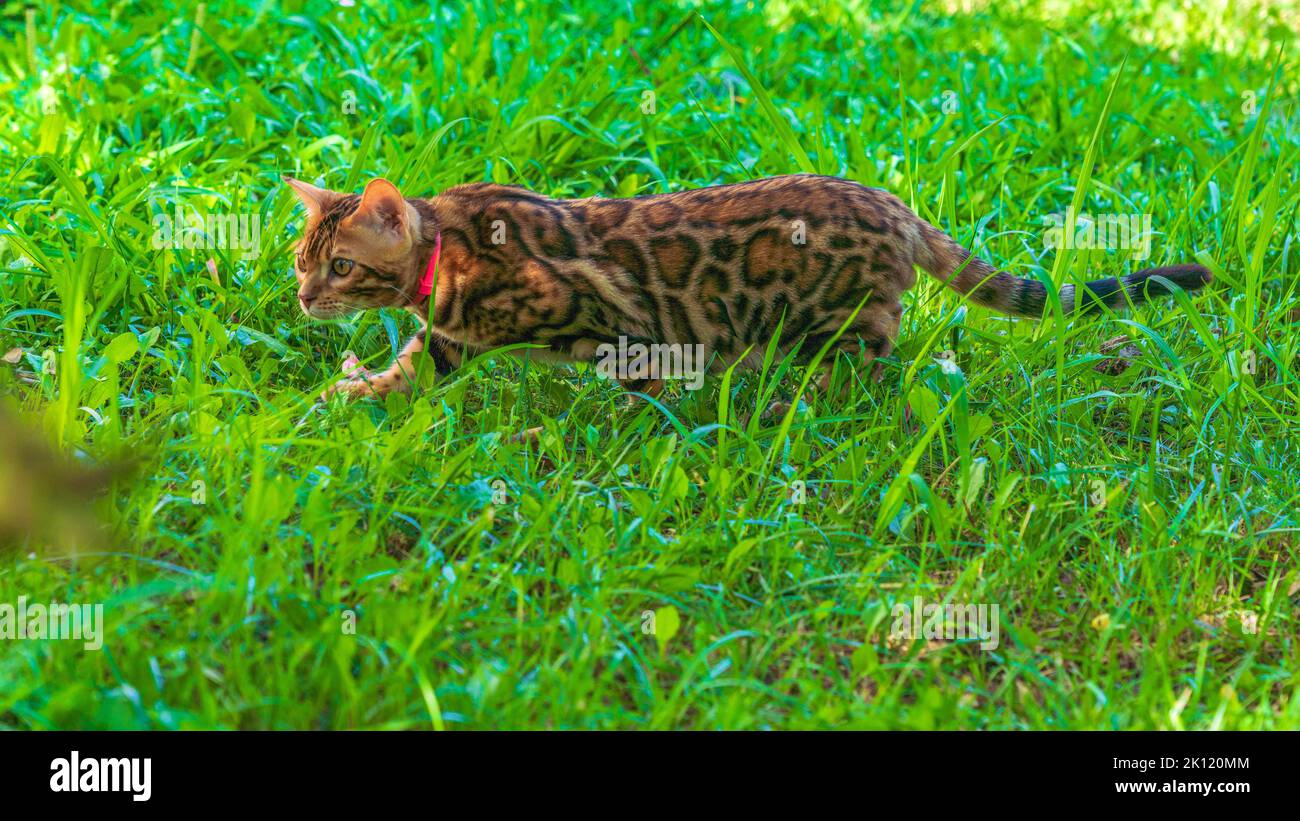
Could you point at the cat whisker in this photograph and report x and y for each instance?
(402, 292)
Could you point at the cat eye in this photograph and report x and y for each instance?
(341, 267)
(300, 263)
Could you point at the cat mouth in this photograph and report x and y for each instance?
(325, 312)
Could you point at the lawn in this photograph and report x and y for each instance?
(1121, 487)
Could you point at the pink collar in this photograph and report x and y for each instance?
(431, 270)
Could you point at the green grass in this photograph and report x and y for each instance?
(495, 585)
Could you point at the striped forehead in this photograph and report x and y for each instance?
(319, 238)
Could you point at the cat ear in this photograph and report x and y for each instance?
(382, 209)
(314, 198)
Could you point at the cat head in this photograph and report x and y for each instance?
(356, 252)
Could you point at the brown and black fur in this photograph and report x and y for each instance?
(718, 266)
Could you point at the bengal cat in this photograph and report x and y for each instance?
(717, 267)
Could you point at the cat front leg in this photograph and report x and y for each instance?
(630, 365)
(400, 375)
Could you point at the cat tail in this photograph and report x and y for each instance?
(943, 258)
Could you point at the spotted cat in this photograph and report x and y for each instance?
(719, 267)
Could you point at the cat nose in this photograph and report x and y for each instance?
(306, 299)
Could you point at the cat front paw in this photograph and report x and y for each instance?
(349, 389)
